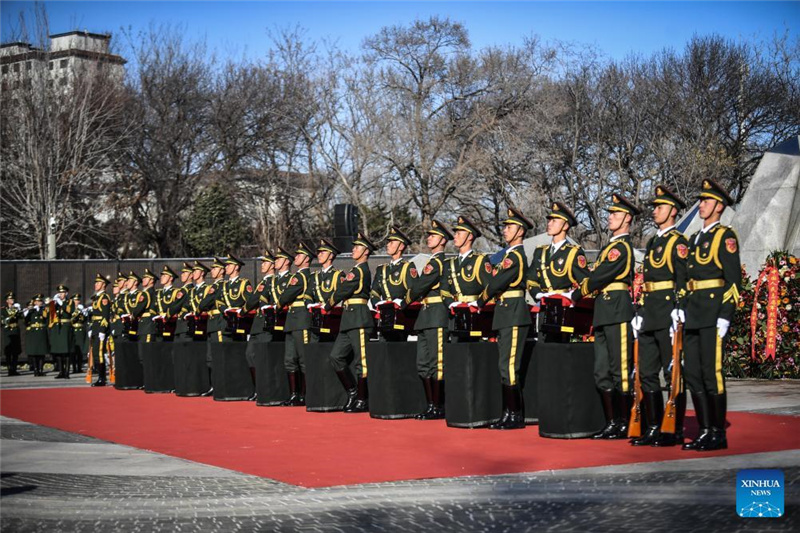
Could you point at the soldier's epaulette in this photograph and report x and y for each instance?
(543, 246)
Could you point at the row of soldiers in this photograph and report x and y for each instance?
(688, 283)
(55, 326)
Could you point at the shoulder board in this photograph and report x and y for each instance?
(542, 246)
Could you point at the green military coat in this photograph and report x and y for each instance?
(431, 283)
(664, 264)
(612, 276)
(354, 285)
(59, 321)
(390, 281)
(296, 295)
(507, 287)
(559, 271)
(36, 332)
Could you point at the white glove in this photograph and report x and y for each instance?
(397, 301)
(17, 306)
(89, 335)
(474, 305)
(380, 303)
(370, 306)
(539, 296)
(228, 309)
(636, 323)
(677, 315)
(722, 327)
(101, 336)
(80, 307)
(58, 299)
(568, 296)
(36, 307)
(265, 307)
(452, 305)
(186, 316)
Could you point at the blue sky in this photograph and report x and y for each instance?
(615, 28)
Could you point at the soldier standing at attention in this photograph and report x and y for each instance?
(168, 303)
(559, 266)
(664, 285)
(182, 304)
(465, 269)
(390, 283)
(512, 317)
(259, 298)
(59, 322)
(36, 334)
(613, 311)
(79, 347)
(101, 317)
(145, 307)
(715, 277)
(213, 302)
(298, 296)
(117, 329)
(191, 305)
(12, 343)
(235, 293)
(326, 278)
(353, 291)
(430, 288)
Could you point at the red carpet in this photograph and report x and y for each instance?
(324, 449)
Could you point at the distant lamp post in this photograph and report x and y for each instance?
(51, 238)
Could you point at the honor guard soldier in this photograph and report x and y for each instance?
(512, 317)
(391, 279)
(357, 320)
(712, 296)
(297, 296)
(613, 310)
(235, 294)
(79, 334)
(59, 321)
(560, 266)
(36, 334)
(213, 303)
(430, 288)
(134, 298)
(145, 307)
(467, 273)
(191, 310)
(117, 329)
(12, 343)
(283, 263)
(186, 276)
(98, 332)
(259, 299)
(168, 303)
(326, 279)
(664, 285)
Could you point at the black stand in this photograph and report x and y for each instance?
(395, 390)
(191, 368)
(128, 371)
(569, 403)
(529, 383)
(272, 387)
(473, 392)
(324, 391)
(230, 372)
(159, 372)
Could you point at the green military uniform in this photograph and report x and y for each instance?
(118, 309)
(325, 281)
(143, 309)
(191, 310)
(12, 343)
(712, 296)
(169, 301)
(557, 267)
(99, 330)
(357, 320)
(133, 304)
(260, 297)
(297, 296)
(79, 334)
(234, 296)
(214, 305)
(664, 285)
(36, 345)
(430, 288)
(59, 322)
(612, 276)
(183, 305)
(391, 282)
(512, 319)
(467, 274)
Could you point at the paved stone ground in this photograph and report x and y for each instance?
(57, 481)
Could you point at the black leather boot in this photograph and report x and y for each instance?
(101, 375)
(12, 365)
(361, 404)
(654, 412)
(293, 395)
(58, 363)
(301, 387)
(674, 439)
(623, 403)
(349, 387)
(65, 365)
(506, 412)
(516, 419)
(718, 404)
(436, 406)
(700, 400)
(427, 383)
(607, 399)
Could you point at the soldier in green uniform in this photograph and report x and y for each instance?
(390, 283)
(144, 307)
(186, 276)
(36, 346)
(169, 300)
(712, 296)
(213, 304)
(79, 334)
(560, 266)
(117, 329)
(297, 296)
(467, 274)
(191, 311)
(12, 344)
(135, 301)
(664, 285)
(98, 332)
(59, 321)
(512, 317)
(613, 310)
(183, 304)
(235, 293)
(258, 301)
(430, 288)
(353, 292)
(326, 279)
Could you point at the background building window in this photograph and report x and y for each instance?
(63, 63)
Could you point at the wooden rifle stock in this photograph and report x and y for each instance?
(635, 424)
(668, 423)
(91, 363)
